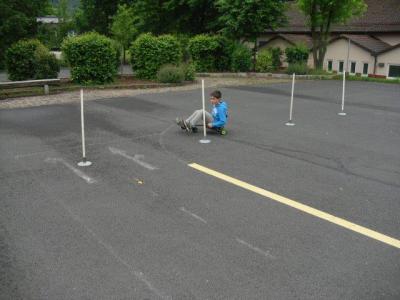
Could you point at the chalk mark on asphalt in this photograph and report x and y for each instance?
(193, 215)
(256, 249)
(72, 168)
(137, 158)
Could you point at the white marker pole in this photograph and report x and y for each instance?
(290, 122)
(204, 140)
(84, 162)
(342, 113)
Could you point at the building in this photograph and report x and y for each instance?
(374, 40)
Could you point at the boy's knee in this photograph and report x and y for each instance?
(199, 111)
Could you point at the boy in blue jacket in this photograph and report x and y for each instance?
(216, 120)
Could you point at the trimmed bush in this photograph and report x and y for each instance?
(92, 58)
(264, 61)
(46, 64)
(149, 53)
(223, 54)
(297, 54)
(20, 59)
(202, 49)
(188, 71)
(241, 58)
(276, 57)
(297, 68)
(170, 74)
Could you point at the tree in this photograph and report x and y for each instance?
(176, 16)
(123, 27)
(246, 20)
(321, 15)
(18, 20)
(96, 14)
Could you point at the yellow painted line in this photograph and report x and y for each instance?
(304, 208)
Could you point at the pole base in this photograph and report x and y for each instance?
(290, 123)
(204, 141)
(342, 113)
(84, 163)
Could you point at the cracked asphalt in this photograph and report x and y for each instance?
(141, 224)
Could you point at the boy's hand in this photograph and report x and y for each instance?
(209, 125)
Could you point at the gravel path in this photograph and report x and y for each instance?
(115, 93)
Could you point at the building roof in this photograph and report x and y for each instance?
(381, 16)
(369, 43)
(293, 39)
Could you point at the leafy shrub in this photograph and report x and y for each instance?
(30, 59)
(46, 64)
(20, 59)
(241, 58)
(92, 58)
(211, 53)
(188, 71)
(297, 54)
(276, 57)
(297, 68)
(264, 61)
(170, 74)
(223, 53)
(202, 49)
(149, 53)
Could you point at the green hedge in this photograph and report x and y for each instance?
(30, 59)
(297, 54)
(149, 53)
(92, 58)
(170, 74)
(264, 61)
(299, 68)
(46, 64)
(241, 58)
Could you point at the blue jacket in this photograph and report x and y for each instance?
(220, 114)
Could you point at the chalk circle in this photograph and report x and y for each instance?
(85, 163)
(204, 141)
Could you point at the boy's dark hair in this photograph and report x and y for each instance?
(216, 94)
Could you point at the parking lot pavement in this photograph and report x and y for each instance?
(141, 223)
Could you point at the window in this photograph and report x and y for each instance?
(365, 69)
(353, 67)
(394, 71)
(341, 66)
(330, 65)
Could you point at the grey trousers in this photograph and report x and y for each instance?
(197, 118)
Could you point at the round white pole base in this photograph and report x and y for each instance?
(204, 141)
(342, 113)
(290, 123)
(84, 163)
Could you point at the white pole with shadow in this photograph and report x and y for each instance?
(290, 122)
(204, 140)
(84, 162)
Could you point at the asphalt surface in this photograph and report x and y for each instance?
(151, 227)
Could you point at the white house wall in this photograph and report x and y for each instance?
(388, 58)
(337, 51)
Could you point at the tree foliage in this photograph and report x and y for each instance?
(321, 15)
(18, 20)
(246, 20)
(123, 27)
